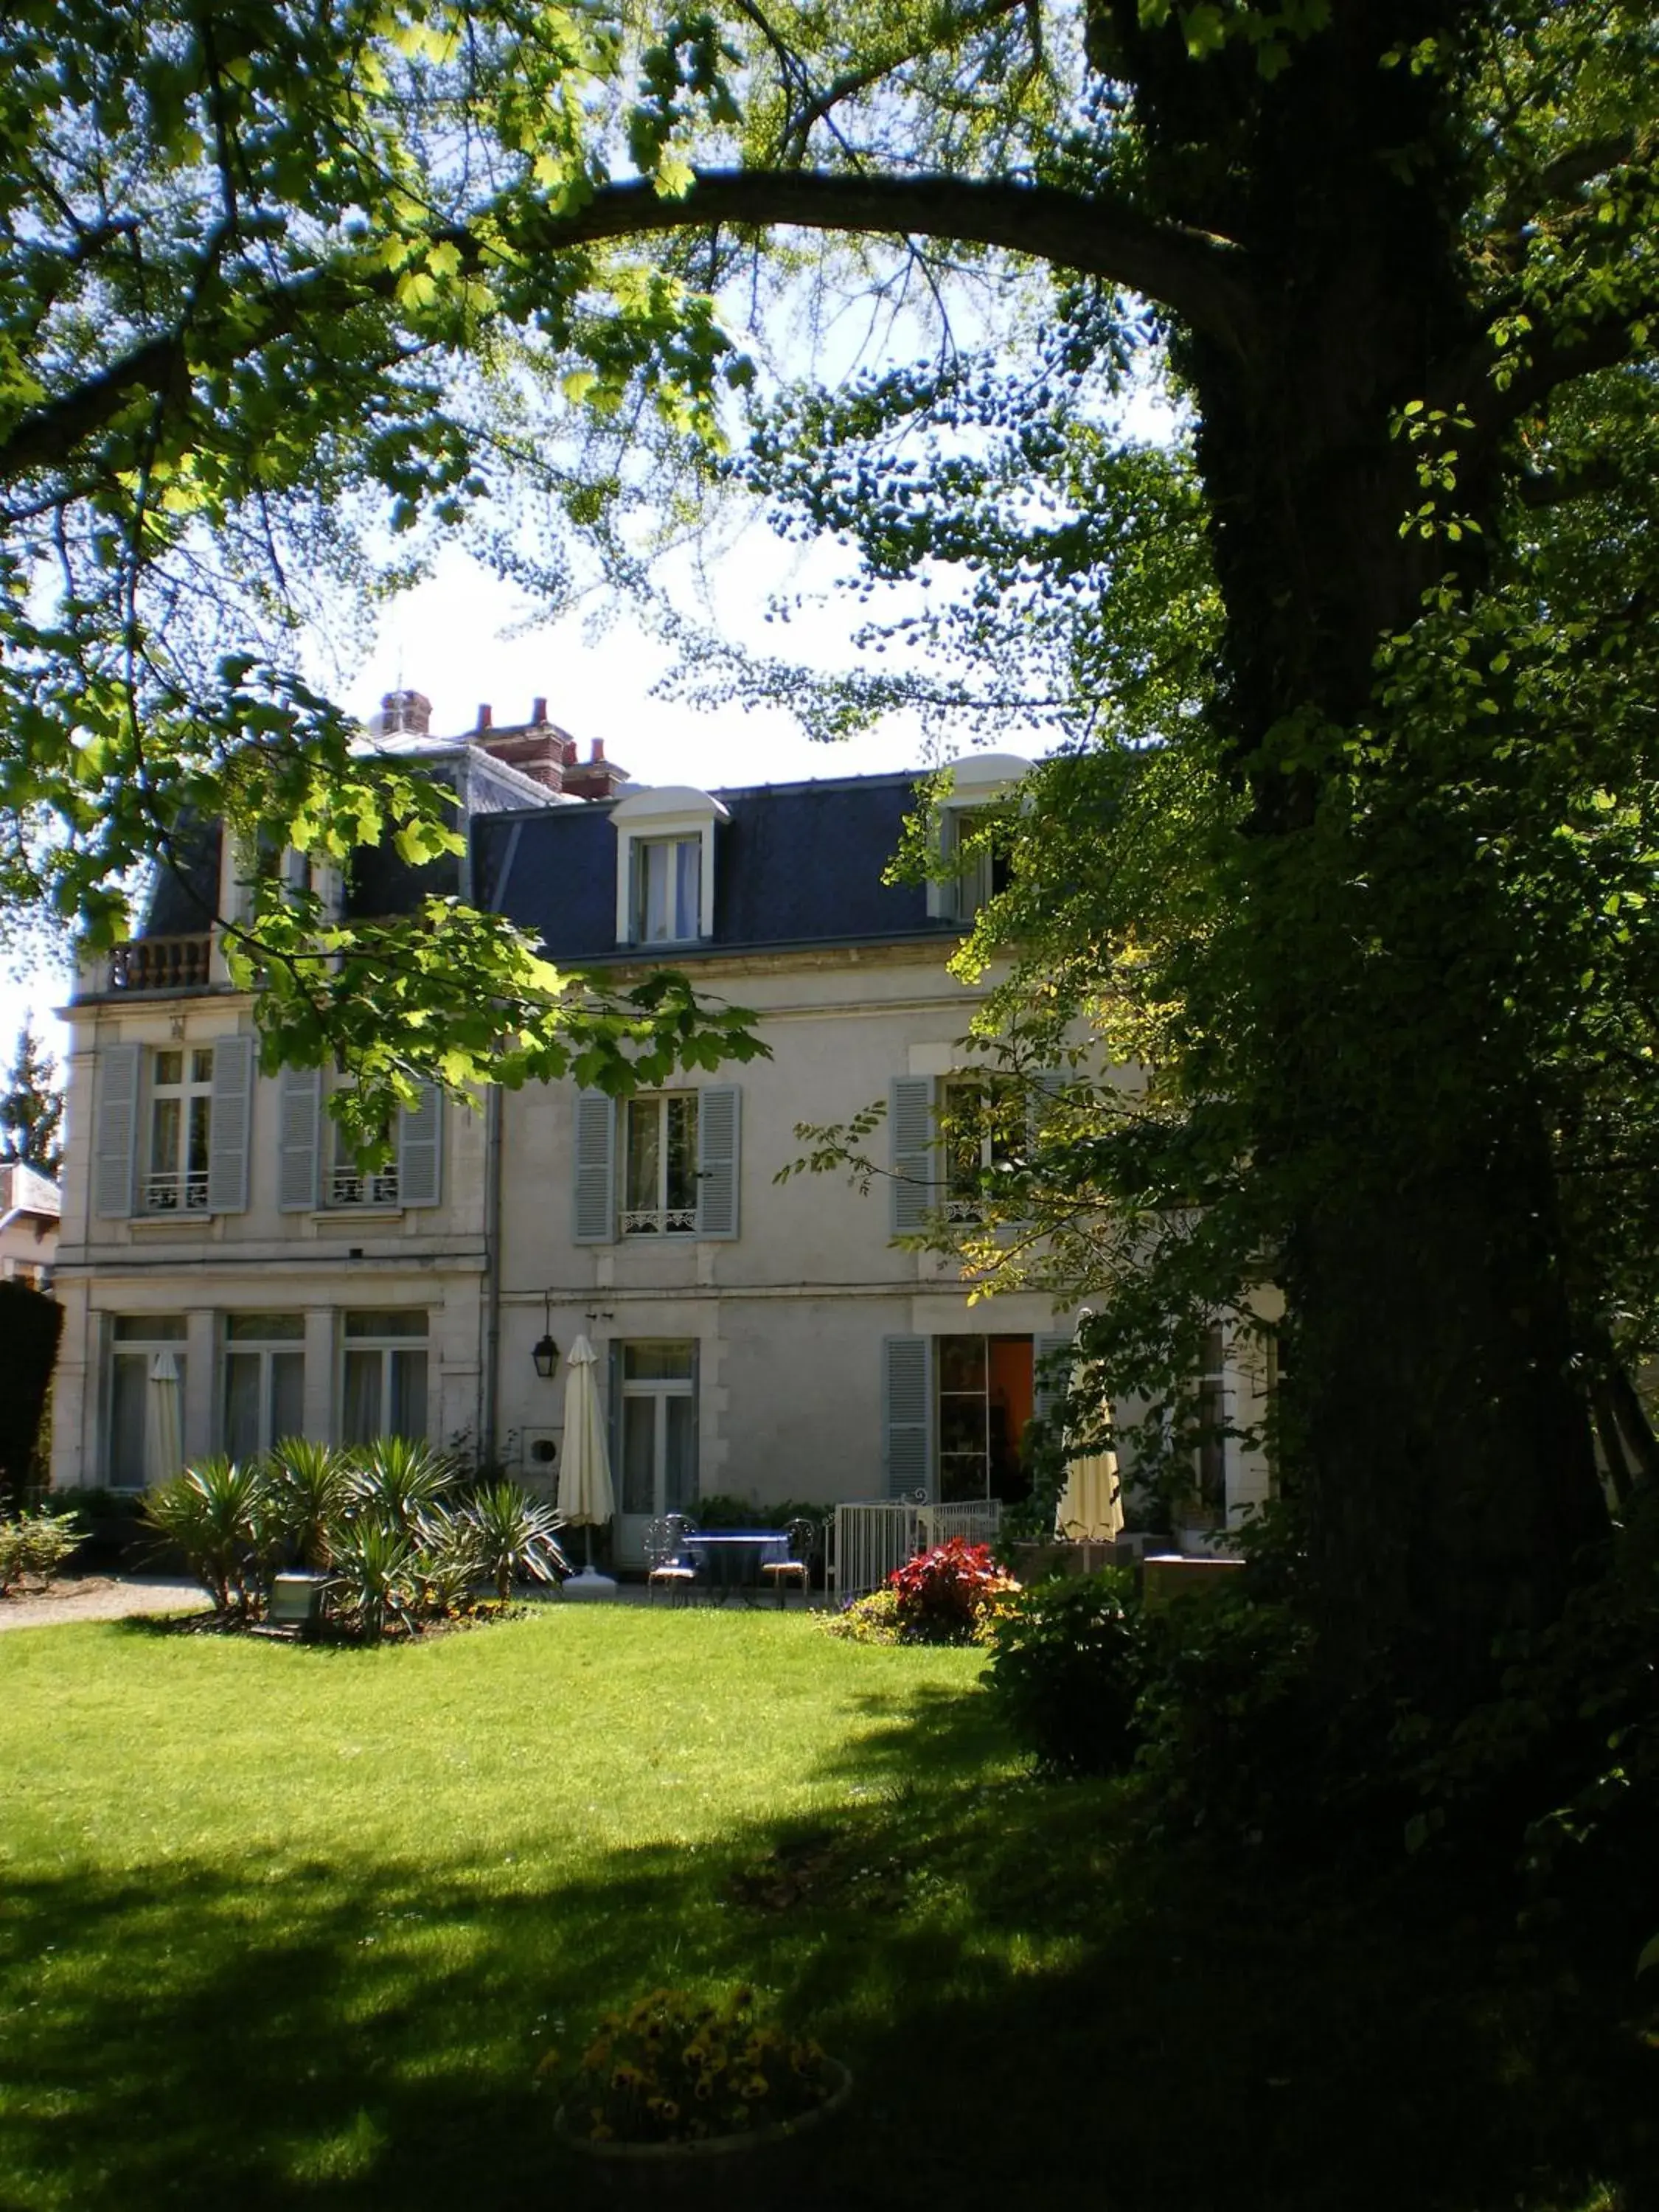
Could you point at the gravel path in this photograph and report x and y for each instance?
(100, 1597)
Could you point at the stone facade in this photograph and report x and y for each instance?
(755, 1337)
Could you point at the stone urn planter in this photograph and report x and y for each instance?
(681, 2172)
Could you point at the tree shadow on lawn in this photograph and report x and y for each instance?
(1032, 2010)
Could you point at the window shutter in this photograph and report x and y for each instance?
(906, 1415)
(115, 1130)
(233, 1112)
(420, 1149)
(910, 1131)
(719, 1118)
(299, 1111)
(1050, 1380)
(596, 1174)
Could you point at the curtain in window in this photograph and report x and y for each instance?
(360, 1415)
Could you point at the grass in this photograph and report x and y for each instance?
(293, 1928)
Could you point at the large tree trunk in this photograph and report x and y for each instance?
(1440, 1440)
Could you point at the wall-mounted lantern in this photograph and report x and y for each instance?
(546, 1352)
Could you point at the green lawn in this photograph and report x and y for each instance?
(291, 1927)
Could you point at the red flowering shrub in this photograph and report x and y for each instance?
(945, 1594)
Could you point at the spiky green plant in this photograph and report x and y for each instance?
(218, 1512)
(310, 1488)
(398, 1480)
(445, 1562)
(378, 1578)
(516, 1534)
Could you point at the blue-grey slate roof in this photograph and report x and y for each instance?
(798, 864)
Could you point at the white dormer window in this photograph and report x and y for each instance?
(971, 869)
(666, 865)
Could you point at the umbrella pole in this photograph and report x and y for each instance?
(587, 1545)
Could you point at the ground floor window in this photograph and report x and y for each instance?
(658, 1428)
(146, 1394)
(265, 1380)
(384, 1383)
(1209, 1459)
(986, 1395)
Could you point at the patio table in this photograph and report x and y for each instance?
(728, 1561)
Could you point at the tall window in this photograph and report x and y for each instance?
(981, 1123)
(976, 856)
(667, 890)
(660, 1166)
(1210, 1460)
(385, 1376)
(658, 1428)
(138, 1421)
(181, 1126)
(986, 1396)
(265, 1380)
(349, 1185)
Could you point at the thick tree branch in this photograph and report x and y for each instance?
(1199, 277)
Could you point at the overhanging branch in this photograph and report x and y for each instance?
(1199, 277)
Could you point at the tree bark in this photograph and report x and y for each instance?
(1440, 1437)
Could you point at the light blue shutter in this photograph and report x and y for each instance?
(906, 1415)
(596, 1176)
(719, 1118)
(115, 1130)
(910, 1134)
(299, 1111)
(232, 1114)
(421, 1148)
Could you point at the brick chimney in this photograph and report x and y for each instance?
(405, 713)
(594, 778)
(537, 748)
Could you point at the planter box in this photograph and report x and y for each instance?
(1171, 1577)
(1037, 1563)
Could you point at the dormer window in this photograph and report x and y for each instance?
(972, 866)
(666, 865)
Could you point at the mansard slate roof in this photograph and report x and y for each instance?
(797, 864)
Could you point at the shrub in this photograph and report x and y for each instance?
(513, 1533)
(378, 1578)
(1066, 1671)
(944, 1594)
(678, 2068)
(871, 1620)
(219, 1513)
(30, 1324)
(34, 1546)
(310, 1488)
(395, 1480)
(720, 1510)
(1236, 1736)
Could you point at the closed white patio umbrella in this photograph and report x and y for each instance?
(164, 1448)
(585, 1499)
(1090, 1508)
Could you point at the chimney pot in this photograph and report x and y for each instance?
(538, 712)
(486, 715)
(598, 753)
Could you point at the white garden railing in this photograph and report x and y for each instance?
(872, 1536)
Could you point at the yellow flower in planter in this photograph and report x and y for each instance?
(676, 2068)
